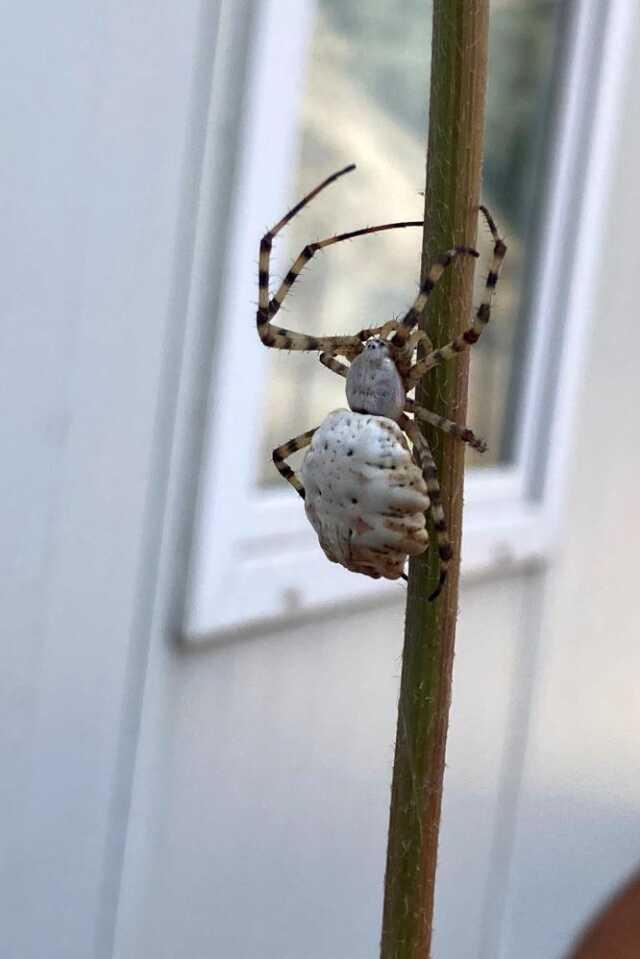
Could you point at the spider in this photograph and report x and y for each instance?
(381, 370)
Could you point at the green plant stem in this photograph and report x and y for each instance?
(456, 120)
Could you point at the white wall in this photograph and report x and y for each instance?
(100, 167)
(260, 811)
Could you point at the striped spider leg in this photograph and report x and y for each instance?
(282, 453)
(275, 336)
(472, 334)
(430, 473)
(462, 433)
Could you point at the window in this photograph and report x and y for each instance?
(345, 82)
(368, 61)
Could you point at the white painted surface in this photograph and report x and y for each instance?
(259, 824)
(98, 208)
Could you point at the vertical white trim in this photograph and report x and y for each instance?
(279, 61)
(601, 121)
(586, 234)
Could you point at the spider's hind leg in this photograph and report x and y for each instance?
(430, 474)
(281, 453)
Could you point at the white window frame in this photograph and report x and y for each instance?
(255, 556)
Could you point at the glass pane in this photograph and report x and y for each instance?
(365, 102)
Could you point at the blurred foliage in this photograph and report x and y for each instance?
(387, 46)
(523, 42)
(388, 43)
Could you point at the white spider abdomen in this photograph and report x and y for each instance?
(373, 382)
(364, 495)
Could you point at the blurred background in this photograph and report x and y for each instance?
(197, 708)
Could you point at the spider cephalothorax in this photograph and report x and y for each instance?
(374, 384)
(367, 491)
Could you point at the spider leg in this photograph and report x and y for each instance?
(281, 453)
(332, 364)
(276, 301)
(472, 334)
(417, 337)
(278, 337)
(447, 426)
(430, 474)
(411, 318)
(281, 338)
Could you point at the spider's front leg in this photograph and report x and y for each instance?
(410, 320)
(483, 314)
(270, 334)
(278, 337)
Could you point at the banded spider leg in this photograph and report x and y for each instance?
(278, 337)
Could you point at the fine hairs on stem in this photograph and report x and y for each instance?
(456, 120)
